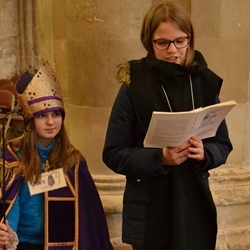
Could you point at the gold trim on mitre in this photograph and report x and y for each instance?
(40, 94)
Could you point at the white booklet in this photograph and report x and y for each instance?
(171, 129)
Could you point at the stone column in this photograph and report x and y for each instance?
(99, 36)
(18, 37)
(27, 56)
(8, 38)
(222, 34)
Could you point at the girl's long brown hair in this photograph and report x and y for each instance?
(62, 154)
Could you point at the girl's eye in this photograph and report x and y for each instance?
(162, 42)
(57, 113)
(179, 41)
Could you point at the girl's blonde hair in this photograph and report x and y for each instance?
(62, 154)
(167, 11)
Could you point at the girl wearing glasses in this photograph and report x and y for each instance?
(167, 201)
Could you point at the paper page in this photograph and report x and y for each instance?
(209, 119)
(169, 129)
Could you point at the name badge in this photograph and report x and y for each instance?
(51, 180)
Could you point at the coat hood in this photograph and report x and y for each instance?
(164, 69)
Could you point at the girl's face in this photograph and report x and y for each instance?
(166, 32)
(47, 127)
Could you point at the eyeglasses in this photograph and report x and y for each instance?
(179, 43)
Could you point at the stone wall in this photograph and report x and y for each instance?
(223, 35)
(18, 37)
(8, 38)
(85, 40)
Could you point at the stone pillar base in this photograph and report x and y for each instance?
(110, 188)
(230, 186)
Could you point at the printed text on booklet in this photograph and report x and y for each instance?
(171, 129)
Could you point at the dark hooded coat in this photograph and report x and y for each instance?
(164, 207)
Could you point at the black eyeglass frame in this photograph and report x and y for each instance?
(173, 41)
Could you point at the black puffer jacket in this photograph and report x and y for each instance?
(164, 207)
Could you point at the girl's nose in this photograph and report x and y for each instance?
(49, 120)
(171, 47)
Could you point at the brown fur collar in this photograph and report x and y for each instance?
(123, 73)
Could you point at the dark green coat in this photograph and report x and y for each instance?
(165, 208)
